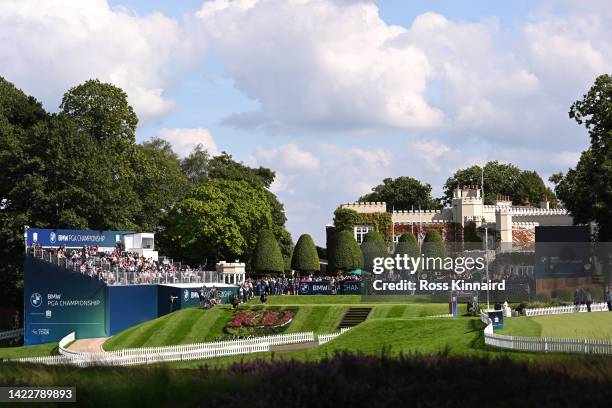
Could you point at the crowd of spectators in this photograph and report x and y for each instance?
(121, 267)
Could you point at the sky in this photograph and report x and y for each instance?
(333, 95)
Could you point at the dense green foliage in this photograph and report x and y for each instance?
(501, 179)
(82, 169)
(267, 257)
(433, 246)
(345, 219)
(219, 219)
(346, 254)
(402, 193)
(305, 258)
(373, 246)
(407, 245)
(586, 191)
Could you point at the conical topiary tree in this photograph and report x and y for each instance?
(267, 257)
(373, 246)
(407, 245)
(433, 247)
(346, 255)
(305, 258)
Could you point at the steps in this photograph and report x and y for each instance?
(354, 316)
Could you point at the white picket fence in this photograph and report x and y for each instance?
(544, 344)
(11, 334)
(595, 307)
(324, 338)
(150, 355)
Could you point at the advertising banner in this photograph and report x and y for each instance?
(315, 288)
(73, 238)
(129, 305)
(351, 288)
(58, 301)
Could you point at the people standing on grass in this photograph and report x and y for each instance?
(588, 299)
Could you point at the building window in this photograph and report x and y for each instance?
(361, 231)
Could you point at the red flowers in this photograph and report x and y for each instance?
(260, 319)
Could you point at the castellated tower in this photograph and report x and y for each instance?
(467, 205)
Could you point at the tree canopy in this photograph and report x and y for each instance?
(220, 219)
(501, 179)
(586, 191)
(402, 193)
(82, 168)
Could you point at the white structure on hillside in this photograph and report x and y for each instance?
(142, 243)
(232, 272)
(503, 218)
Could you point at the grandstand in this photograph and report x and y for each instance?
(97, 283)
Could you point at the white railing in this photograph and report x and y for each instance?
(183, 352)
(543, 344)
(324, 338)
(595, 307)
(11, 334)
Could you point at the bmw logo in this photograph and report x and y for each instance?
(186, 294)
(52, 237)
(304, 287)
(36, 299)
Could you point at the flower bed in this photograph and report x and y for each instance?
(258, 322)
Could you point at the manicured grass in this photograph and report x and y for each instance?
(185, 326)
(320, 319)
(38, 350)
(408, 310)
(596, 325)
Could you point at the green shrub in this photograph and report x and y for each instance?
(305, 257)
(346, 255)
(433, 246)
(267, 257)
(373, 246)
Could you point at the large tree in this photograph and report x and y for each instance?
(402, 193)
(220, 219)
(101, 110)
(199, 167)
(586, 191)
(501, 179)
(160, 181)
(195, 166)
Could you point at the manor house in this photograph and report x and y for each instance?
(507, 225)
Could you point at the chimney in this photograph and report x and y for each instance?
(544, 203)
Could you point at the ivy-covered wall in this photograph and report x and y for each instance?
(380, 221)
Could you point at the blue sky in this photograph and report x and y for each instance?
(334, 95)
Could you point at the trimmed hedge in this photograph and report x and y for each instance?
(373, 246)
(346, 255)
(433, 246)
(305, 257)
(267, 257)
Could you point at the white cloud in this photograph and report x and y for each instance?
(319, 64)
(287, 157)
(183, 140)
(49, 46)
